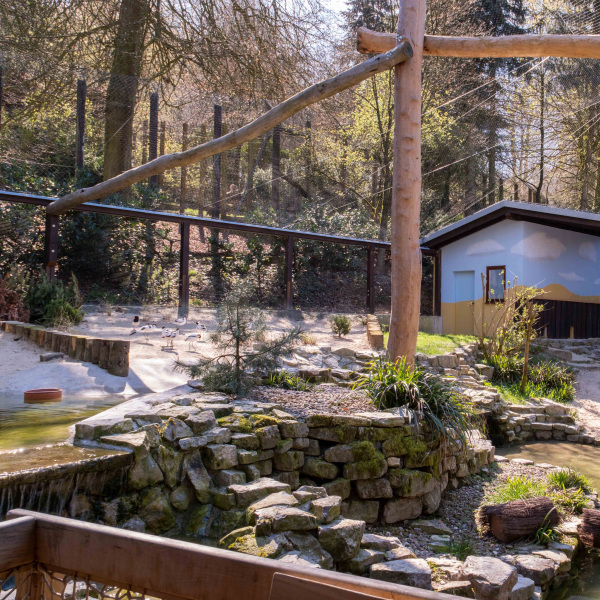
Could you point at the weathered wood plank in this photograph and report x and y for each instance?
(507, 46)
(17, 542)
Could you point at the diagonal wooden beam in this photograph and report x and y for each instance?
(278, 114)
(569, 46)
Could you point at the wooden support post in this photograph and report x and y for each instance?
(371, 280)
(183, 183)
(289, 268)
(437, 284)
(145, 142)
(406, 187)
(51, 245)
(184, 270)
(1, 92)
(217, 133)
(276, 171)
(153, 142)
(80, 125)
(308, 157)
(161, 150)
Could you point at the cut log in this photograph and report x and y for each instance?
(278, 114)
(104, 354)
(65, 344)
(80, 342)
(506, 46)
(589, 528)
(512, 521)
(56, 337)
(96, 343)
(89, 343)
(48, 340)
(118, 358)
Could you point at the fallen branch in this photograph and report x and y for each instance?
(311, 95)
(506, 46)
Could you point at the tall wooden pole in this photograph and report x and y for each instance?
(406, 191)
(183, 182)
(80, 124)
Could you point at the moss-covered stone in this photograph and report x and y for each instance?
(236, 423)
(319, 468)
(156, 511)
(404, 445)
(263, 420)
(197, 520)
(408, 483)
(380, 434)
(223, 521)
(265, 547)
(369, 463)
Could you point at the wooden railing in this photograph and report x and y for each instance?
(43, 557)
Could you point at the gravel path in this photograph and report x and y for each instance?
(587, 399)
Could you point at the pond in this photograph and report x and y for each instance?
(585, 459)
(28, 425)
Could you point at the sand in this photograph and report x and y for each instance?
(587, 399)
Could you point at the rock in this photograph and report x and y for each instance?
(562, 561)
(169, 462)
(265, 547)
(307, 493)
(368, 489)
(218, 410)
(181, 498)
(230, 537)
(198, 476)
(341, 434)
(409, 483)
(135, 524)
(567, 549)
(523, 589)
(136, 441)
(319, 468)
(268, 436)
(464, 589)
(485, 371)
(156, 511)
(301, 443)
(248, 493)
(283, 518)
(372, 541)
(371, 468)
(326, 509)
(227, 477)
(540, 570)
(310, 549)
(245, 441)
(224, 501)
(289, 461)
(433, 527)
(218, 435)
(338, 487)
(414, 572)
(197, 520)
(559, 353)
(402, 509)
(220, 456)
(279, 499)
(175, 429)
(222, 521)
(439, 543)
(296, 558)
(48, 356)
(432, 500)
(363, 560)
(248, 457)
(284, 446)
(192, 443)
(398, 553)
(291, 478)
(201, 422)
(363, 510)
(341, 538)
(293, 429)
(491, 578)
(144, 473)
(342, 453)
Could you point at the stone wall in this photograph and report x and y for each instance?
(112, 355)
(200, 460)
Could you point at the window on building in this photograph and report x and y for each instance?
(495, 284)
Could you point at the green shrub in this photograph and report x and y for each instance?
(460, 548)
(517, 488)
(52, 303)
(287, 381)
(432, 398)
(341, 325)
(568, 478)
(569, 500)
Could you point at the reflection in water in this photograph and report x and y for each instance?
(585, 459)
(26, 425)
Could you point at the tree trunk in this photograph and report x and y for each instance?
(471, 186)
(406, 190)
(123, 85)
(538, 190)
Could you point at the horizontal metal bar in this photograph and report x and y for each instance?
(138, 213)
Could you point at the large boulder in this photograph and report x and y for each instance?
(409, 483)
(283, 518)
(363, 560)
(414, 572)
(248, 493)
(523, 589)
(198, 476)
(156, 511)
(401, 509)
(279, 499)
(220, 456)
(201, 422)
(319, 468)
(144, 473)
(491, 578)
(169, 462)
(541, 570)
(368, 489)
(372, 541)
(341, 538)
(309, 548)
(326, 509)
(265, 547)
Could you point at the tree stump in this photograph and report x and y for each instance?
(512, 521)
(89, 343)
(104, 353)
(118, 359)
(96, 350)
(589, 528)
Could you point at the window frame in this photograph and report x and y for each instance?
(489, 300)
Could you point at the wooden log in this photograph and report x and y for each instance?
(89, 343)
(40, 336)
(65, 343)
(72, 346)
(118, 358)
(56, 337)
(569, 46)
(278, 114)
(512, 521)
(589, 528)
(406, 188)
(96, 343)
(47, 340)
(104, 354)
(80, 346)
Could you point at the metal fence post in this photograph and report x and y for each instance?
(370, 280)
(289, 267)
(184, 270)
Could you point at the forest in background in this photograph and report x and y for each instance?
(493, 129)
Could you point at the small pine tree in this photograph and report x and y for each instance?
(243, 350)
(341, 325)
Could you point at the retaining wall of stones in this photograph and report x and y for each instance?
(112, 355)
(199, 460)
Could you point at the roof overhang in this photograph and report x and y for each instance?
(560, 218)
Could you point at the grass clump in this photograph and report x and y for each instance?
(432, 344)
(518, 488)
(460, 548)
(431, 398)
(287, 381)
(569, 478)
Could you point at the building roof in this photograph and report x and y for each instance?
(561, 218)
